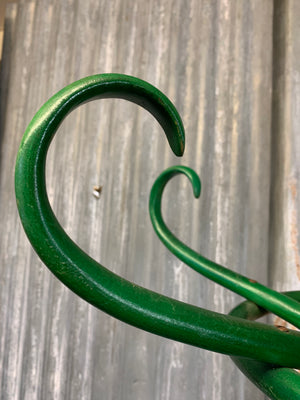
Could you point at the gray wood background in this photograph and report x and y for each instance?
(232, 69)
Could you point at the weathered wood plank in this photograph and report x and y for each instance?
(285, 190)
(214, 60)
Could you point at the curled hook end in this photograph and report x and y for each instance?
(165, 176)
(196, 183)
(172, 124)
(177, 141)
(194, 179)
(189, 173)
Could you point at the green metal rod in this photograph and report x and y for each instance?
(96, 284)
(277, 383)
(277, 303)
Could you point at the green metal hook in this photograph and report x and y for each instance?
(96, 284)
(279, 304)
(278, 383)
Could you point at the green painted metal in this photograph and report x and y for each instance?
(130, 303)
(277, 303)
(276, 382)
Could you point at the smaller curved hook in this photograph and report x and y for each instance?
(281, 305)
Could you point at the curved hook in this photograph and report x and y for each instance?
(281, 305)
(278, 383)
(96, 284)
